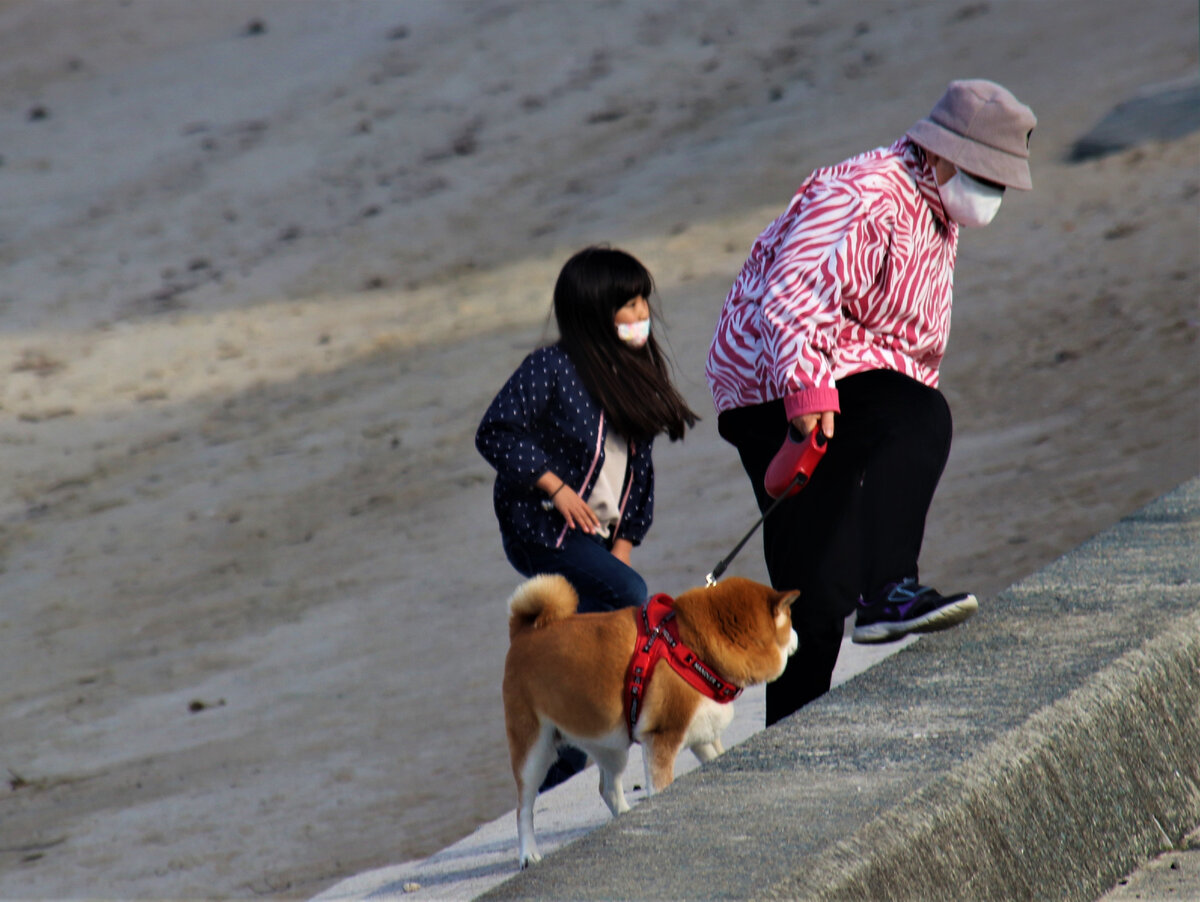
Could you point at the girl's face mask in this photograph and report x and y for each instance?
(632, 320)
(634, 334)
(968, 201)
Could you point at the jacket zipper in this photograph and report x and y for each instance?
(625, 495)
(587, 479)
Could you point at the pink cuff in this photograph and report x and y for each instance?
(811, 400)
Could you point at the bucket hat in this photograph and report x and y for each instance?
(980, 127)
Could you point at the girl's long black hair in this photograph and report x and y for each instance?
(632, 385)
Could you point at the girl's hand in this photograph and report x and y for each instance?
(621, 550)
(811, 421)
(567, 502)
(575, 510)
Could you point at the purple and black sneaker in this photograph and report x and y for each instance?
(906, 607)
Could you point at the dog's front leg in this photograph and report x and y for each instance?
(660, 751)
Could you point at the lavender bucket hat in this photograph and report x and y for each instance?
(980, 127)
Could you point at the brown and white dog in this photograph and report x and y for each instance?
(565, 679)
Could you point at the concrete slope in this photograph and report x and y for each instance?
(488, 856)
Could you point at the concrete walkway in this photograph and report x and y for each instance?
(488, 856)
(1043, 750)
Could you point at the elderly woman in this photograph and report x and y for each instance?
(838, 321)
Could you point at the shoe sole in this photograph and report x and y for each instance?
(941, 619)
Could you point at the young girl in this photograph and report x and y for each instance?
(570, 434)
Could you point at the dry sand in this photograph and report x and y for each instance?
(265, 263)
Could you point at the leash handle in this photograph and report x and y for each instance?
(803, 461)
(798, 454)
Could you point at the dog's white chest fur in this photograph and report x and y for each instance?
(710, 721)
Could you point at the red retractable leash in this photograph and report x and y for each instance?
(788, 472)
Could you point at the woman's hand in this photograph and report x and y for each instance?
(811, 421)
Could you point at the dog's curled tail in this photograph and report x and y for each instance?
(539, 601)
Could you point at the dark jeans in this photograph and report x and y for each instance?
(603, 582)
(859, 522)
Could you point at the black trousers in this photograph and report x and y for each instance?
(859, 522)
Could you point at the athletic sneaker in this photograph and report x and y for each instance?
(906, 607)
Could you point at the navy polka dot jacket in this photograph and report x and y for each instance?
(544, 419)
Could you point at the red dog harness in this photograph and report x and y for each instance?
(658, 637)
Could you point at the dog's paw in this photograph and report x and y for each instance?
(531, 858)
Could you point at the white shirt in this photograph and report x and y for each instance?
(605, 500)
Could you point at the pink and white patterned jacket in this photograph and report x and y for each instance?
(857, 274)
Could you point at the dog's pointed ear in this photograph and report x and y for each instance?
(784, 601)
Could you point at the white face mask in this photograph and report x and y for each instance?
(634, 334)
(968, 201)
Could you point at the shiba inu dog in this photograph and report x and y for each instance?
(661, 675)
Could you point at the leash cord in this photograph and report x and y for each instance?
(711, 579)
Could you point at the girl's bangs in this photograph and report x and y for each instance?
(630, 280)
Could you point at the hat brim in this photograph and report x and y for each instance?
(977, 159)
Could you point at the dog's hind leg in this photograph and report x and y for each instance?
(611, 764)
(707, 751)
(530, 771)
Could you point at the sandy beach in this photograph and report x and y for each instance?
(265, 264)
